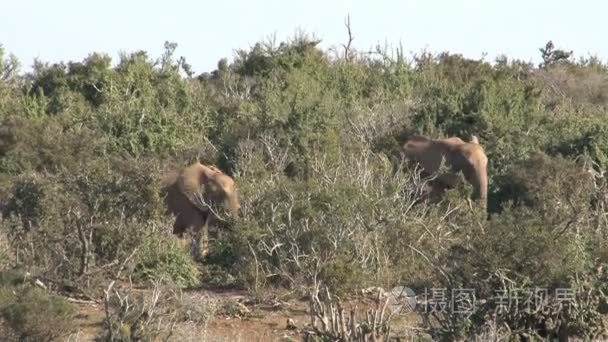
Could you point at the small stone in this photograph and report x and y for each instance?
(40, 284)
(291, 325)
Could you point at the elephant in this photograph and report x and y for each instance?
(468, 157)
(193, 195)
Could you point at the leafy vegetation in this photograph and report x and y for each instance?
(33, 314)
(312, 141)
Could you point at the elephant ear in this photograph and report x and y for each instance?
(210, 187)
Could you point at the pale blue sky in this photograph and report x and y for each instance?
(62, 30)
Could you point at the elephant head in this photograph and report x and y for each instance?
(468, 157)
(194, 196)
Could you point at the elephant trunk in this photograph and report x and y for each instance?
(234, 205)
(482, 191)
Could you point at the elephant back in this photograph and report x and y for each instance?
(190, 178)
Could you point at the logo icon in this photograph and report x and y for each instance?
(401, 300)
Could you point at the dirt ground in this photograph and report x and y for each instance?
(245, 320)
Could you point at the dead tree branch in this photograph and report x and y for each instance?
(346, 46)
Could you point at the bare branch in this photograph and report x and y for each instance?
(347, 56)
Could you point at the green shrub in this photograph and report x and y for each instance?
(547, 183)
(343, 276)
(165, 259)
(34, 314)
(66, 224)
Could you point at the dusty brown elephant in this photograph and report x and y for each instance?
(468, 157)
(196, 196)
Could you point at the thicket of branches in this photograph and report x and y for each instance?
(312, 138)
